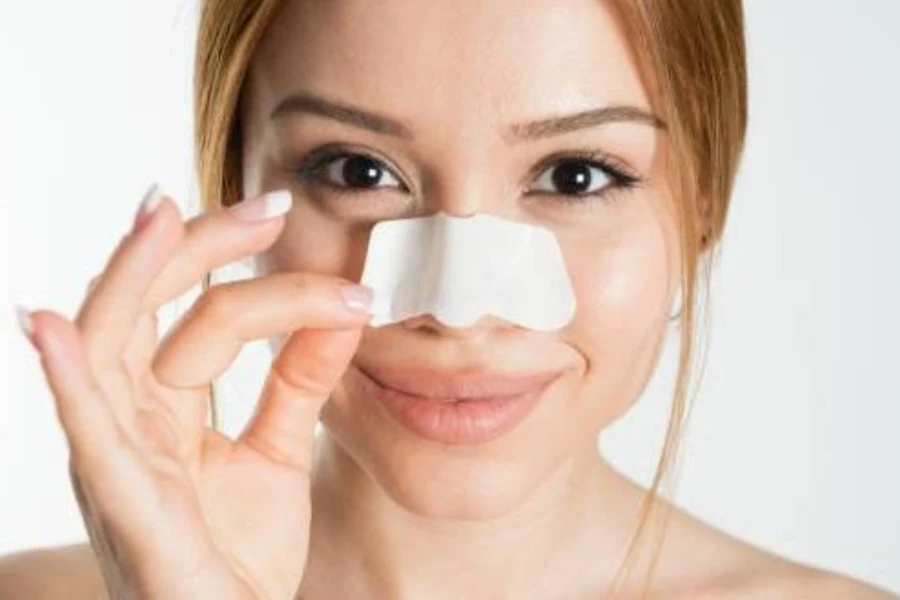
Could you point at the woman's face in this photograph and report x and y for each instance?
(458, 82)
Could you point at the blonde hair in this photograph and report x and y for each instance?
(692, 57)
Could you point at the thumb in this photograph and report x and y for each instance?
(304, 373)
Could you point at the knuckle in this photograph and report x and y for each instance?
(311, 280)
(309, 285)
(304, 278)
(216, 302)
(103, 365)
(299, 381)
(278, 452)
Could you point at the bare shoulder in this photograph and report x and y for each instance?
(702, 562)
(798, 581)
(51, 573)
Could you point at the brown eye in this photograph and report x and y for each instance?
(358, 171)
(574, 177)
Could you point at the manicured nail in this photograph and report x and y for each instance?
(23, 316)
(358, 297)
(268, 206)
(150, 202)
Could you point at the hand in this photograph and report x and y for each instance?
(174, 509)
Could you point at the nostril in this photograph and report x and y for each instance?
(429, 324)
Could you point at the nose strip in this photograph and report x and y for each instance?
(460, 268)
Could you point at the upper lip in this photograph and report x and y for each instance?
(431, 382)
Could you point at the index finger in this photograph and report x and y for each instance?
(163, 259)
(215, 239)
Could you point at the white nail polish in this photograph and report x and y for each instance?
(277, 203)
(268, 206)
(152, 198)
(24, 319)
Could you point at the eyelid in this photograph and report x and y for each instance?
(314, 161)
(611, 179)
(602, 160)
(621, 174)
(330, 163)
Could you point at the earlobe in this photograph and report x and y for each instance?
(677, 301)
(676, 284)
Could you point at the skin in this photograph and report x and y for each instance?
(537, 513)
(509, 502)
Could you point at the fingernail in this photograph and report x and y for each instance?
(268, 206)
(23, 316)
(152, 197)
(358, 297)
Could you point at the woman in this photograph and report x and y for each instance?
(618, 126)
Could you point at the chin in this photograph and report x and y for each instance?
(429, 479)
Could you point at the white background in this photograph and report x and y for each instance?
(792, 441)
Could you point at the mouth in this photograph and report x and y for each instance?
(470, 385)
(454, 408)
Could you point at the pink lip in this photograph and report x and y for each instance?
(473, 384)
(462, 409)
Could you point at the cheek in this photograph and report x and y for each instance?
(622, 285)
(621, 288)
(620, 277)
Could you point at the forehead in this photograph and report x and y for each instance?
(507, 59)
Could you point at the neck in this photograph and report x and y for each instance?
(569, 534)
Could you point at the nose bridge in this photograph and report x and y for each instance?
(468, 177)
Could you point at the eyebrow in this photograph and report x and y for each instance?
(532, 130)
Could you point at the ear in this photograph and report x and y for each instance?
(676, 306)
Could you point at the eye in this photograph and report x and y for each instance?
(575, 177)
(358, 171)
(347, 171)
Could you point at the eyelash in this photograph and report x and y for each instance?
(621, 177)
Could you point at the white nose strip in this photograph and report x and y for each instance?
(460, 268)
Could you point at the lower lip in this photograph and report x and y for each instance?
(458, 423)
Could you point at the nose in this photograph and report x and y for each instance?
(469, 184)
(455, 206)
